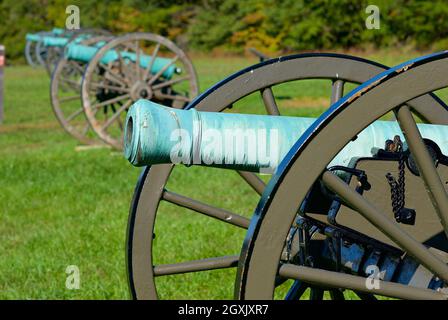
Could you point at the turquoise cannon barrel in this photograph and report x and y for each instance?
(48, 41)
(155, 134)
(54, 41)
(35, 37)
(85, 54)
(58, 31)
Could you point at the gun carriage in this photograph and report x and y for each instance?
(322, 223)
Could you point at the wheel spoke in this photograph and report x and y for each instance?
(113, 76)
(161, 71)
(124, 67)
(386, 225)
(337, 90)
(137, 60)
(196, 266)
(316, 293)
(365, 296)
(336, 294)
(172, 97)
(214, 212)
(85, 129)
(425, 164)
(72, 82)
(347, 281)
(110, 101)
(116, 115)
(170, 82)
(296, 291)
(77, 67)
(107, 86)
(269, 101)
(75, 114)
(253, 180)
(151, 62)
(71, 98)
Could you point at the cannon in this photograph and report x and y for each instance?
(156, 134)
(55, 46)
(323, 223)
(98, 78)
(32, 39)
(47, 47)
(127, 68)
(65, 90)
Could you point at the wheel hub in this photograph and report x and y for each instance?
(141, 90)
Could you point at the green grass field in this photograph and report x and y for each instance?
(62, 207)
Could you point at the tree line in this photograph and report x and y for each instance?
(272, 26)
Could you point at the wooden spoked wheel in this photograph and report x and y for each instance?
(153, 193)
(30, 53)
(65, 94)
(286, 205)
(41, 51)
(145, 66)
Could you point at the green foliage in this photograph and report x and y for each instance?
(233, 25)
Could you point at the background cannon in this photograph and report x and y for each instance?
(32, 39)
(46, 48)
(153, 194)
(114, 80)
(131, 67)
(65, 90)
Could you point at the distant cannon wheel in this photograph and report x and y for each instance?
(65, 94)
(52, 56)
(41, 50)
(30, 53)
(413, 254)
(153, 200)
(131, 67)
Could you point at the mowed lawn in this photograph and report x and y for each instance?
(61, 206)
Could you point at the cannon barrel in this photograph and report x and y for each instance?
(155, 134)
(86, 53)
(58, 31)
(48, 41)
(35, 37)
(54, 41)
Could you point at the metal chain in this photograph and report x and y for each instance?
(401, 182)
(397, 188)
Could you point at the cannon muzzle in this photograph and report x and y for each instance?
(155, 134)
